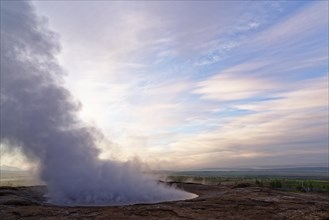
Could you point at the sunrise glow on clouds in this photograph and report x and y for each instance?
(186, 85)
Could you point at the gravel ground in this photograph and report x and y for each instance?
(213, 202)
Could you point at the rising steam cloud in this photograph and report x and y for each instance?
(38, 115)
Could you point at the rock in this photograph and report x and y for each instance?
(241, 185)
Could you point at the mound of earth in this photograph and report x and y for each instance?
(214, 202)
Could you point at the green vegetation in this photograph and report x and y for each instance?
(279, 183)
(276, 184)
(298, 179)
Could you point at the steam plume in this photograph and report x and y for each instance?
(39, 116)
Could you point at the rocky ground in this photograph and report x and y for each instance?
(214, 202)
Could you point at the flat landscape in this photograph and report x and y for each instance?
(170, 110)
(240, 201)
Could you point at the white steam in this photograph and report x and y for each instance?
(38, 115)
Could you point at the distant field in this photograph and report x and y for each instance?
(314, 179)
(300, 172)
(17, 178)
(310, 179)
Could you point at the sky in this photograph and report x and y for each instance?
(198, 84)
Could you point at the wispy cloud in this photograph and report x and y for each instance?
(295, 123)
(307, 21)
(236, 83)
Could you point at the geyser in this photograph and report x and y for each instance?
(39, 116)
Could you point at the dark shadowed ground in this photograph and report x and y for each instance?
(214, 202)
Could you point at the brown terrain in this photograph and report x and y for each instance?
(214, 202)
